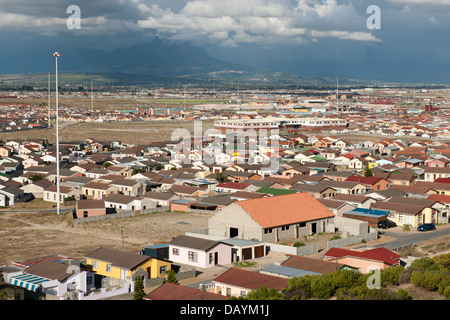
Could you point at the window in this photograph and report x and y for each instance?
(192, 256)
(268, 230)
(211, 257)
(108, 267)
(162, 269)
(95, 264)
(284, 228)
(175, 252)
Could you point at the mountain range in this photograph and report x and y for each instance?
(154, 61)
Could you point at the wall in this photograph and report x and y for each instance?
(352, 226)
(233, 216)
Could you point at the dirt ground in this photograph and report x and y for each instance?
(128, 132)
(26, 235)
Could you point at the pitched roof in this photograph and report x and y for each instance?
(170, 291)
(285, 209)
(90, 204)
(194, 243)
(379, 254)
(364, 180)
(251, 279)
(118, 258)
(50, 270)
(310, 264)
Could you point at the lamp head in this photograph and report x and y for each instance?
(56, 54)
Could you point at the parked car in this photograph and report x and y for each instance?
(426, 227)
(385, 224)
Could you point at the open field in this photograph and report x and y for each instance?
(26, 235)
(127, 132)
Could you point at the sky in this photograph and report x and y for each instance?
(410, 41)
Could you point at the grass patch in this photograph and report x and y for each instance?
(244, 264)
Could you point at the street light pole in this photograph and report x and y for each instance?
(49, 100)
(56, 55)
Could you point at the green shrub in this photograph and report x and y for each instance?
(443, 261)
(425, 263)
(299, 286)
(299, 244)
(391, 275)
(402, 294)
(447, 292)
(322, 286)
(428, 280)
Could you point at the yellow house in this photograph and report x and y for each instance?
(408, 214)
(123, 265)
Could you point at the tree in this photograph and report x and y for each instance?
(35, 177)
(107, 164)
(139, 292)
(220, 177)
(170, 277)
(368, 172)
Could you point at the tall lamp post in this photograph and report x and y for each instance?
(56, 55)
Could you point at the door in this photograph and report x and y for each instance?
(313, 228)
(216, 258)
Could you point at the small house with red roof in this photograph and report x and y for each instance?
(239, 282)
(365, 261)
(170, 291)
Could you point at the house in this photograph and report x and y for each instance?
(337, 175)
(358, 201)
(55, 280)
(432, 173)
(316, 190)
(271, 219)
(162, 199)
(298, 266)
(128, 187)
(371, 183)
(407, 214)
(90, 208)
(123, 267)
(187, 191)
(244, 195)
(9, 195)
(336, 206)
(364, 261)
(170, 291)
(124, 202)
(239, 282)
(234, 187)
(346, 187)
(198, 252)
(98, 190)
(371, 216)
(37, 188)
(212, 203)
(51, 193)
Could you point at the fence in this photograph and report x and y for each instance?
(122, 214)
(298, 251)
(339, 243)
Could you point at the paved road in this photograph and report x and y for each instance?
(403, 239)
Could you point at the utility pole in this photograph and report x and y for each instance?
(49, 125)
(56, 55)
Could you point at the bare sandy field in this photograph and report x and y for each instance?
(128, 132)
(26, 235)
